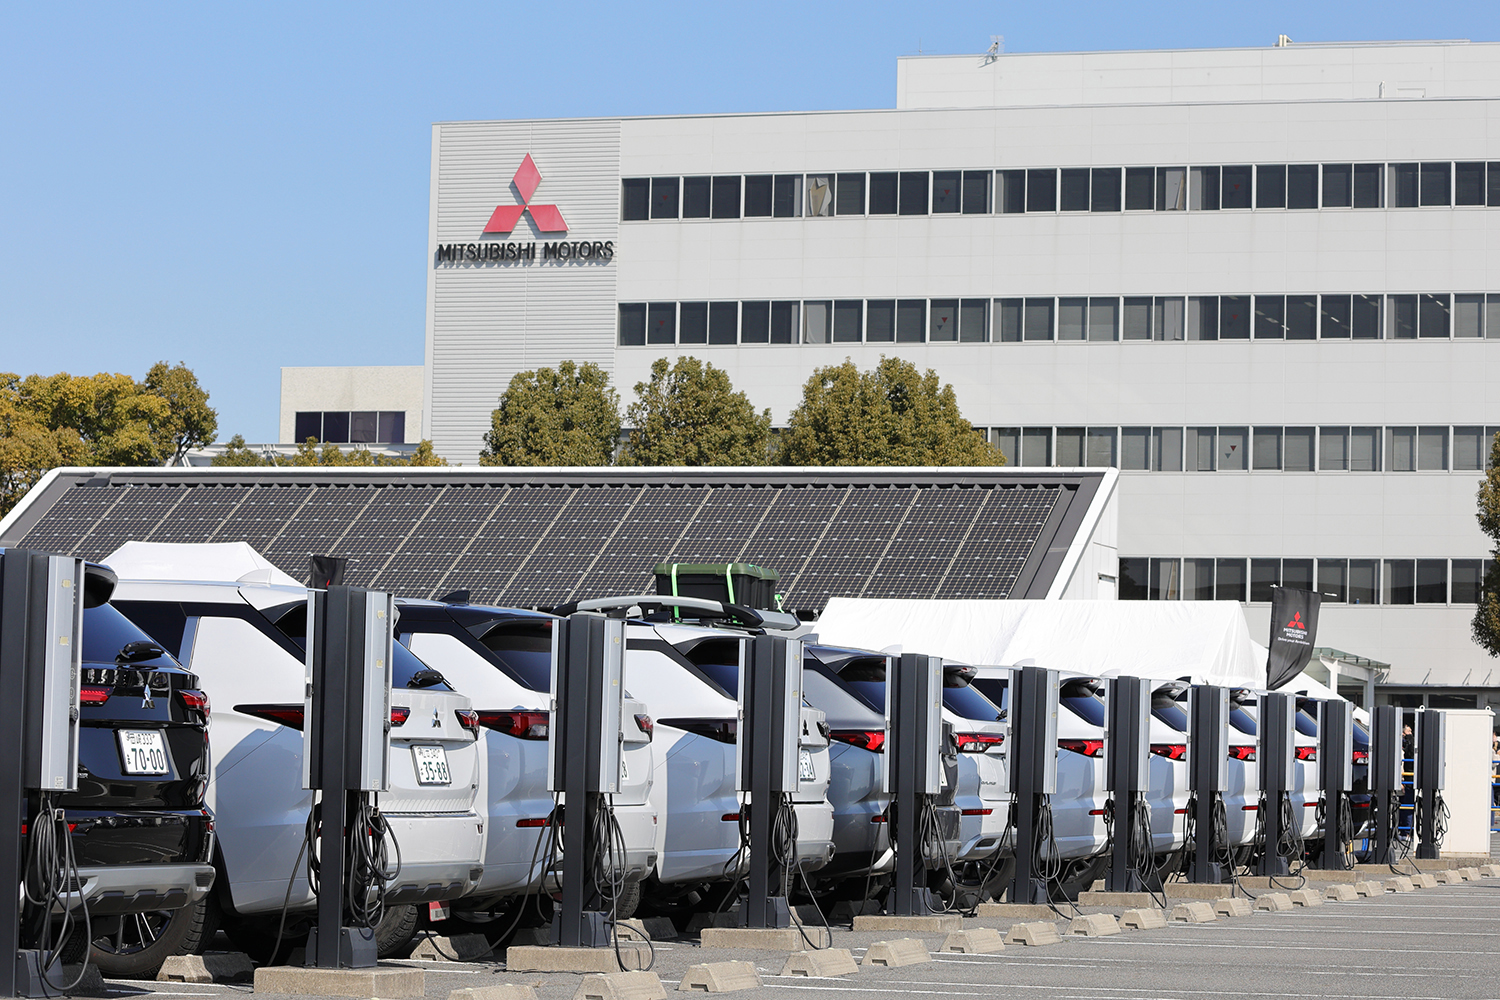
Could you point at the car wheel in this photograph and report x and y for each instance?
(1078, 875)
(628, 900)
(396, 931)
(145, 940)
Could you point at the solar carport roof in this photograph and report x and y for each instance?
(538, 538)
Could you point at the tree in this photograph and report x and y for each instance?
(235, 453)
(28, 447)
(190, 422)
(311, 452)
(567, 416)
(690, 414)
(890, 415)
(1486, 624)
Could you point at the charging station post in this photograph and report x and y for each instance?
(1033, 772)
(1431, 775)
(911, 767)
(1208, 767)
(41, 639)
(1277, 780)
(1336, 761)
(1385, 779)
(766, 766)
(1127, 774)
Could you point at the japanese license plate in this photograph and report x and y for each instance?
(432, 766)
(805, 770)
(142, 751)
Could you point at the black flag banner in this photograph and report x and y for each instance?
(1294, 628)
(325, 571)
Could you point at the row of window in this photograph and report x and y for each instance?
(1249, 449)
(1339, 581)
(351, 426)
(1440, 183)
(1428, 315)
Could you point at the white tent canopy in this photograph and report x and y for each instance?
(1205, 640)
(211, 562)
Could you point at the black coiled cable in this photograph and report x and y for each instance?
(51, 871)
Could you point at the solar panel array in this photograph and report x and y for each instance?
(539, 545)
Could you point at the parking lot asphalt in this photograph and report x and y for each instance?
(1433, 944)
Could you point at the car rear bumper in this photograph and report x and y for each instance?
(814, 834)
(141, 888)
(442, 856)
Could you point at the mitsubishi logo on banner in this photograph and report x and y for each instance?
(1296, 622)
(547, 217)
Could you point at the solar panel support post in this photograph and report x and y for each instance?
(1430, 774)
(1385, 779)
(912, 765)
(767, 766)
(1033, 774)
(1208, 766)
(1277, 780)
(1127, 775)
(1336, 760)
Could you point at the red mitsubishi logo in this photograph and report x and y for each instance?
(1296, 621)
(547, 218)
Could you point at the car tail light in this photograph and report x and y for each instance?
(1089, 748)
(287, 715)
(730, 818)
(93, 695)
(521, 725)
(1245, 753)
(880, 818)
(975, 812)
(195, 699)
(872, 740)
(1361, 756)
(531, 824)
(723, 730)
(469, 720)
(1307, 753)
(977, 742)
(399, 716)
(1171, 751)
(644, 724)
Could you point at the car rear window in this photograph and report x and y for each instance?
(106, 632)
(523, 650)
(404, 663)
(1306, 724)
(1172, 713)
(995, 689)
(966, 703)
(1242, 720)
(1087, 706)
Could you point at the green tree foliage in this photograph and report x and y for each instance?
(566, 416)
(313, 453)
(235, 453)
(190, 422)
(1486, 625)
(28, 447)
(690, 414)
(890, 415)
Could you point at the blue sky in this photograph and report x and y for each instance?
(245, 187)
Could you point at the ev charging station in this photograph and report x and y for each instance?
(1033, 772)
(1127, 776)
(1385, 779)
(1208, 774)
(42, 598)
(1336, 762)
(766, 767)
(1277, 753)
(583, 762)
(1431, 773)
(911, 772)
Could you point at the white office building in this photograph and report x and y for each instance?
(1262, 282)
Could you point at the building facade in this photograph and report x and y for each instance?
(1260, 282)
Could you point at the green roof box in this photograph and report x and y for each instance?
(733, 583)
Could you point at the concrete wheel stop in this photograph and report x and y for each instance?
(1093, 925)
(893, 954)
(621, 986)
(556, 958)
(719, 977)
(1232, 907)
(933, 923)
(766, 938)
(1034, 934)
(820, 964)
(1145, 919)
(390, 982)
(976, 941)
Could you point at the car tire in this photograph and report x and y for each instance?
(1078, 875)
(396, 932)
(146, 940)
(629, 899)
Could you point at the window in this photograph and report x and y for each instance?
(1203, 317)
(1333, 449)
(723, 322)
(1166, 319)
(1404, 185)
(307, 424)
(1008, 440)
(786, 199)
(944, 321)
(1338, 185)
(1135, 448)
(693, 319)
(758, 196)
(364, 427)
(1468, 183)
(1234, 317)
(1140, 189)
(1400, 582)
(973, 321)
(1401, 449)
(1104, 195)
(1468, 581)
(1137, 319)
(1297, 574)
(1202, 452)
(1171, 189)
(817, 319)
(1009, 324)
(696, 197)
(336, 427)
(755, 323)
(848, 325)
(883, 193)
(1041, 190)
(1166, 579)
(635, 199)
(1436, 183)
(392, 427)
(1297, 449)
(1233, 446)
(1364, 318)
(880, 321)
(661, 323)
(664, 197)
(1302, 186)
(1229, 579)
(820, 195)
(1070, 447)
(1264, 574)
(1166, 449)
(632, 325)
(1036, 447)
(1468, 315)
(1367, 185)
(1072, 316)
(726, 198)
(1364, 449)
(1301, 317)
(976, 192)
(1203, 189)
(911, 318)
(1100, 452)
(913, 192)
(1133, 576)
(1364, 581)
(1267, 449)
(1333, 580)
(1335, 317)
(1010, 191)
(1038, 319)
(1432, 315)
(1104, 318)
(1403, 316)
(1270, 317)
(1492, 317)
(1468, 449)
(783, 322)
(1074, 193)
(1432, 581)
(1432, 449)
(1270, 187)
(946, 193)
(849, 194)
(1492, 185)
(1234, 191)
(1197, 579)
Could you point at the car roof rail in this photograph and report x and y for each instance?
(736, 613)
